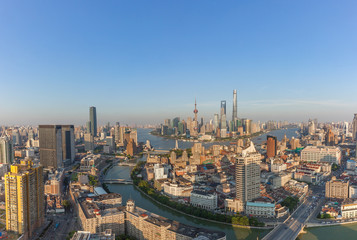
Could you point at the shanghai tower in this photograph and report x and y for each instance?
(234, 114)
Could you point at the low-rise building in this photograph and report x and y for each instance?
(329, 154)
(234, 205)
(203, 199)
(351, 165)
(281, 179)
(260, 207)
(53, 185)
(353, 191)
(349, 210)
(177, 190)
(83, 235)
(89, 161)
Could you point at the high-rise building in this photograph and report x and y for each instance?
(215, 121)
(93, 121)
(248, 174)
(223, 107)
(117, 132)
(56, 145)
(51, 153)
(345, 129)
(24, 198)
(354, 128)
(6, 150)
(195, 111)
(68, 143)
(88, 142)
(271, 146)
(175, 122)
(234, 113)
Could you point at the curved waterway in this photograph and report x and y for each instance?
(129, 191)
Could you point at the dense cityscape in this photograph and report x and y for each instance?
(178, 120)
(55, 182)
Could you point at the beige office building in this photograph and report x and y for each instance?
(336, 188)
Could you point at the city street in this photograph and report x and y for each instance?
(291, 228)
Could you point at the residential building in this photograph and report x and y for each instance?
(354, 128)
(24, 198)
(6, 150)
(102, 212)
(248, 174)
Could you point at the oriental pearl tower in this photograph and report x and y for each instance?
(195, 111)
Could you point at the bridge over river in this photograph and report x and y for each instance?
(117, 181)
(294, 225)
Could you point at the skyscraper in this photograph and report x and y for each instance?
(215, 122)
(68, 143)
(223, 108)
(93, 121)
(271, 146)
(117, 132)
(56, 145)
(6, 150)
(223, 115)
(24, 198)
(248, 174)
(51, 154)
(234, 113)
(354, 126)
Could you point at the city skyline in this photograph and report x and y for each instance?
(286, 61)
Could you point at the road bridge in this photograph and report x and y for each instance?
(294, 225)
(117, 181)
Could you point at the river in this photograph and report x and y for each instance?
(129, 191)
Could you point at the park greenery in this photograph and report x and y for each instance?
(188, 209)
(324, 216)
(74, 177)
(93, 181)
(291, 203)
(335, 167)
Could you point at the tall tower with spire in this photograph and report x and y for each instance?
(234, 113)
(195, 111)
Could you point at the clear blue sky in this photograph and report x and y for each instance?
(143, 61)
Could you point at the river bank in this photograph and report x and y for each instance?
(193, 216)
